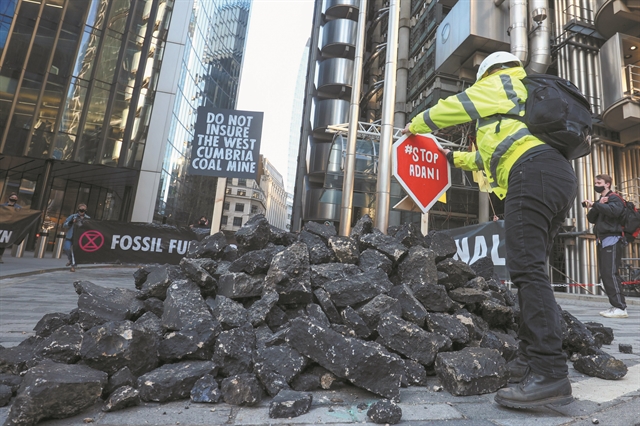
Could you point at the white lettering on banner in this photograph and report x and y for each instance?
(5, 236)
(180, 246)
(226, 143)
(479, 251)
(137, 243)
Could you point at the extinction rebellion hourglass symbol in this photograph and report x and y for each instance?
(91, 241)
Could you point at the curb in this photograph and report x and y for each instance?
(65, 268)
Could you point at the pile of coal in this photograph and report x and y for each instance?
(283, 314)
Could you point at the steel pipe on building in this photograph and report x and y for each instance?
(539, 41)
(383, 186)
(354, 115)
(518, 29)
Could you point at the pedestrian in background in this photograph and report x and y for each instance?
(77, 218)
(541, 188)
(12, 202)
(606, 214)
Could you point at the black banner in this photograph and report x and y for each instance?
(118, 242)
(15, 224)
(483, 240)
(226, 143)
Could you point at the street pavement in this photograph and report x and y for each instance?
(30, 288)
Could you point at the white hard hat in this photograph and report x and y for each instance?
(495, 59)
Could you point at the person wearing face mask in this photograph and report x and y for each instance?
(77, 218)
(12, 202)
(606, 214)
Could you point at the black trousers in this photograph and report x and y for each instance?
(541, 192)
(609, 262)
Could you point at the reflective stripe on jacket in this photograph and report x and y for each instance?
(501, 140)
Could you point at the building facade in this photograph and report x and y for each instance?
(207, 43)
(77, 86)
(595, 44)
(245, 198)
(79, 82)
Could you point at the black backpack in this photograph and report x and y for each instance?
(630, 220)
(558, 114)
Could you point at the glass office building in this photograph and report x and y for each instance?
(207, 62)
(77, 81)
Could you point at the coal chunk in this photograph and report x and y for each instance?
(305, 382)
(254, 234)
(238, 285)
(327, 306)
(184, 306)
(206, 390)
(229, 313)
(255, 262)
(319, 252)
(276, 366)
(412, 309)
(471, 371)
(372, 259)
(384, 412)
(154, 305)
(97, 305)
(385, 244)
(289, 403)
(358, 288)
(483, 267)
(159, 280)
(11, 380)
(496, 314)
(449, 326)
(414, 373)
(365, 364)
(468, 295)
(442, 244)
(173, 381)
(50, 323)
(195, 271)
(120, 378)
(363, 227)
(259, 310)
(5, 395)
(434, 297)
(458, 273)
(123, 397)
(194, 341)
(378, 306)
(625, 349)
(242, 389)
(234, 350)
(409, 235)
(576, 336)
(211, 246)
(601, 365)
(345, 249)
(410, 340)
(602, 335)
(114, 345)
(321, 274)
(354, 321)
(52, 390)
(321, 230)
(289, 275)
(63, 345)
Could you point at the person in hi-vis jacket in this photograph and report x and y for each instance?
(538, 185)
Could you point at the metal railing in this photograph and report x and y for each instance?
(632, 75)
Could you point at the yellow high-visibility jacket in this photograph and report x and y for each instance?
(501, 140)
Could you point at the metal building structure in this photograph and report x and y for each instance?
(593, 43)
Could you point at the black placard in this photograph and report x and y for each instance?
(226, 143)
(118, 242)
(15, 224)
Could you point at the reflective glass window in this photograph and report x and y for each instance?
(23, 114)
(87, 54)
(7, 10)
(97, 12)
(42, 46)
(63, 58)
(92, 132)
(108, 62)
(8, 84)
(21, 36)
(44, 126)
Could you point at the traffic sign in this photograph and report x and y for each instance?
(422, 170)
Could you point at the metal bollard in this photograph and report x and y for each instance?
(18, 250)
(57, 248)
(41, 245)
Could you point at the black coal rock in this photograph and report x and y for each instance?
(357, 288)
(254, 234)
(123, 397)
(52, 390)
(289, 403)
(384, 412)
(601, 365)
(243, 389)
(173, 381)
(365, 364)
(345, 249)
(471, 371)
(371, 259)
(289, 275)
(206, 390)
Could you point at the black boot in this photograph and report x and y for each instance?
(517, 370)
(536, 390)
